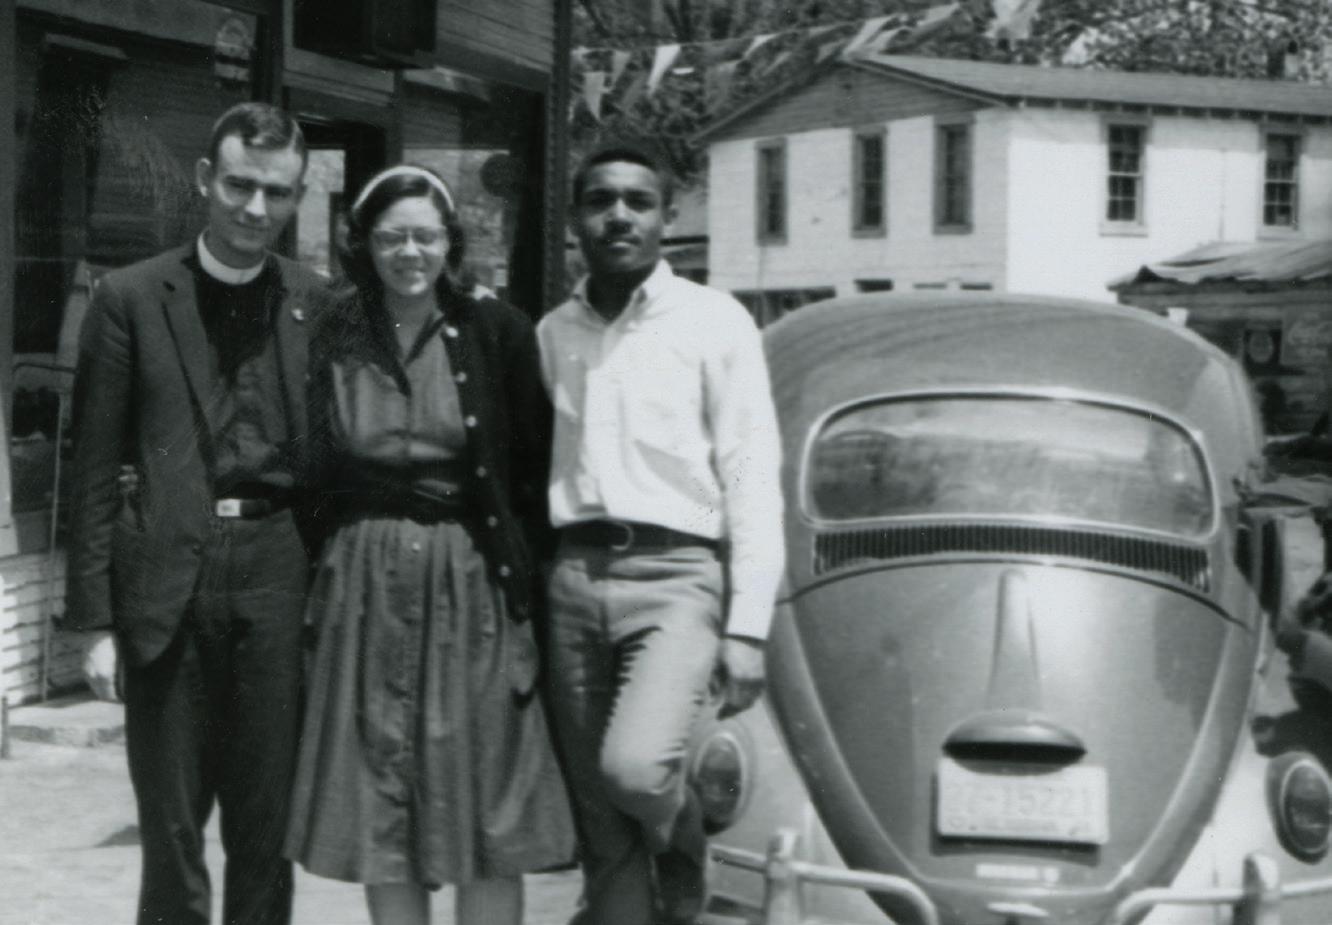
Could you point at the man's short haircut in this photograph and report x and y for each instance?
(259, 125)
(633, 152)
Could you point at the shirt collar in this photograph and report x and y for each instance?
(645, 298)
(232, 276)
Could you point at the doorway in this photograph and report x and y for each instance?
(344, 153)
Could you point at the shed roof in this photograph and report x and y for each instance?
(1222, 261)
(1011, 82)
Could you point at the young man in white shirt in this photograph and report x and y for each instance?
(664, 487)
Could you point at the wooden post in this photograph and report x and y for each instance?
(781, 900)
(1261, 904)
(556, 167)
(4, 726)
(9, 162)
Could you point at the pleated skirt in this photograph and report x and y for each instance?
(419, 761)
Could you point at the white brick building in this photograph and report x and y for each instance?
(917, 173)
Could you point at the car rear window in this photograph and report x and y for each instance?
(989, 456)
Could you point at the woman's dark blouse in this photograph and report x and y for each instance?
(500, 471)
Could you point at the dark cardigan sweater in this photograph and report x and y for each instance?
(492, 350)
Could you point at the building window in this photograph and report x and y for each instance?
(1281, 181)
(1124, 146)
(771, 198)
(868, 162)
(952, 177)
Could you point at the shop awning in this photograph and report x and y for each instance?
(1221, 261)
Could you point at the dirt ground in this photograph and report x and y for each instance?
(69, 850)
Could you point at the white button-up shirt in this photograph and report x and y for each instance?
(665, 416)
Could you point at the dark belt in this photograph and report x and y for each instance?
(624, 535)
(405, 504)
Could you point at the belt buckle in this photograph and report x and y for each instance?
(227, 507)
(628, 536)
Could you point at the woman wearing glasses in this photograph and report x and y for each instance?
(425, 758)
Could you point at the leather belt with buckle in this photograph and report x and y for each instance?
(244, 508)
(624, 535)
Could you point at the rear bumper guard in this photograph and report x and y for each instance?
(1256, 901)
(784, 874)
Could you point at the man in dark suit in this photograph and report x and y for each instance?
(192, 371)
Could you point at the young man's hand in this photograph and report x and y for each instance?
(741, 674)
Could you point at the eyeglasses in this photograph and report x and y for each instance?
(392, 239)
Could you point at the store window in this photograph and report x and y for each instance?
(108, 125)
(486, 140)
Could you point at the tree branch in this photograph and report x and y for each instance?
(590, 8)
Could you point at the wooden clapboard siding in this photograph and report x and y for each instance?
(519, 32)
(843, 97)
(430, 118)
(193, 21)
(26, 589)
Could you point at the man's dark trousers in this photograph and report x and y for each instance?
(217, 715)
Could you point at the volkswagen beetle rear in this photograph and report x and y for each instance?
(1017, 666)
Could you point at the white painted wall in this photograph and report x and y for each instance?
(820, 249)
(1316, 183)
(1040, 178)
(1203, 182)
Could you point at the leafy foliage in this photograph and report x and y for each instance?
(1230, 38)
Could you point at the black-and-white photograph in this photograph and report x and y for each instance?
(666, 462)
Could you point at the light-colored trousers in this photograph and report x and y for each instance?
(633, 649)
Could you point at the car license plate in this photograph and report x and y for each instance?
(1023, 802)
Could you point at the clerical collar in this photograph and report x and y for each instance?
(232, 276)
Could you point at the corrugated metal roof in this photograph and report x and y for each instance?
(1280, 262)
(1015, 81)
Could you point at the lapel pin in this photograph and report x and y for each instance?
(298, 313)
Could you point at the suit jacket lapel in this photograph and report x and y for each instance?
(182, 315)
(293, 350)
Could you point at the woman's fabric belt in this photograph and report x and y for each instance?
(625, 535)
(384, 501)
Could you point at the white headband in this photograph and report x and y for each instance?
(403, 170)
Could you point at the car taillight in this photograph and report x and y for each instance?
(721, 777)
(1300, 797)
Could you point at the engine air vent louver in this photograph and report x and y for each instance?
(838, 549)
